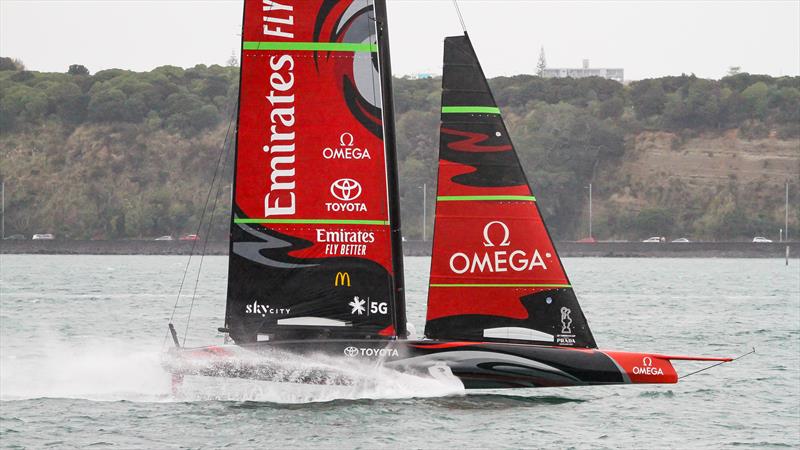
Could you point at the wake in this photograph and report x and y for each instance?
(119, 371)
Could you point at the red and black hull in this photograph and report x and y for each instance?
(479, 365)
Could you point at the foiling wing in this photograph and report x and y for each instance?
(495, 273)
(312, 252)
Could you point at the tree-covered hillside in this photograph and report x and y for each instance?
(120, 154)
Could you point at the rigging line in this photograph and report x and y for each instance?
(208, 236)
(199, 225)
(717, 364)
(460, 17)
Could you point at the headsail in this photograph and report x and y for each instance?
(314, 242)
(495, 273)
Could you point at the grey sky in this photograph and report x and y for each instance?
(646, 38)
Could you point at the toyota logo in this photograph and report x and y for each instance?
(346, 189)
(350, 352)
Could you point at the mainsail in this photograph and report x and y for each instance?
(315, 246)
(495, 273)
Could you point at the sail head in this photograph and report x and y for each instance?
(495, 273)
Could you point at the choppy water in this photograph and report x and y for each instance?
(80, 341)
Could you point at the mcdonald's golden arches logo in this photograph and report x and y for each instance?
(342, 279)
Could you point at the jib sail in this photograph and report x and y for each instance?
(315, 248)
(495, 274)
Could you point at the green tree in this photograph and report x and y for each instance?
(653, 222)
(69, 102)
(756, 98)
(77, 69)
(648, 98)
(8, 64)
(107, 105)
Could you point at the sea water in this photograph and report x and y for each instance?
(81, 338)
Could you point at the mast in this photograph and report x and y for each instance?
(232, 215)
(391, 167)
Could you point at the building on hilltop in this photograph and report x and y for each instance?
(420, 76)
(584, 72)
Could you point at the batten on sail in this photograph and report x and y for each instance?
(495, 273)
(313, 229)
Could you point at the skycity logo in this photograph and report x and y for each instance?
(346, 149)
(346, 190)
(265, 310)
(496, 235)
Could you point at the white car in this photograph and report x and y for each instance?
(761, 239)
(652, 239)
(164, 238)
(681, 240)
(43, 237)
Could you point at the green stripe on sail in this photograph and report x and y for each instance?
(312, 46)
(313, 221)
(471, 109)
(457, 198)
(511, 285)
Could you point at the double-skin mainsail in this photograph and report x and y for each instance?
(495, 273)
(315, 246)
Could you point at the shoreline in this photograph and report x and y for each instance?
(419, 248)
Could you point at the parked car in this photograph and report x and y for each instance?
(681, 240)
(164, 238)
(15, 237)
(654, 239)
(761, 239)
(189, 237)
(43, 237)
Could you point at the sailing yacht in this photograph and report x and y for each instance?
(315, 246)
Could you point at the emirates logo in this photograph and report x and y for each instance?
(346, 189)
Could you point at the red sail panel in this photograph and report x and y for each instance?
(310, 239)
(495, 273)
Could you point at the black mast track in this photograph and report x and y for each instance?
(391, 167)
(235, 159)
